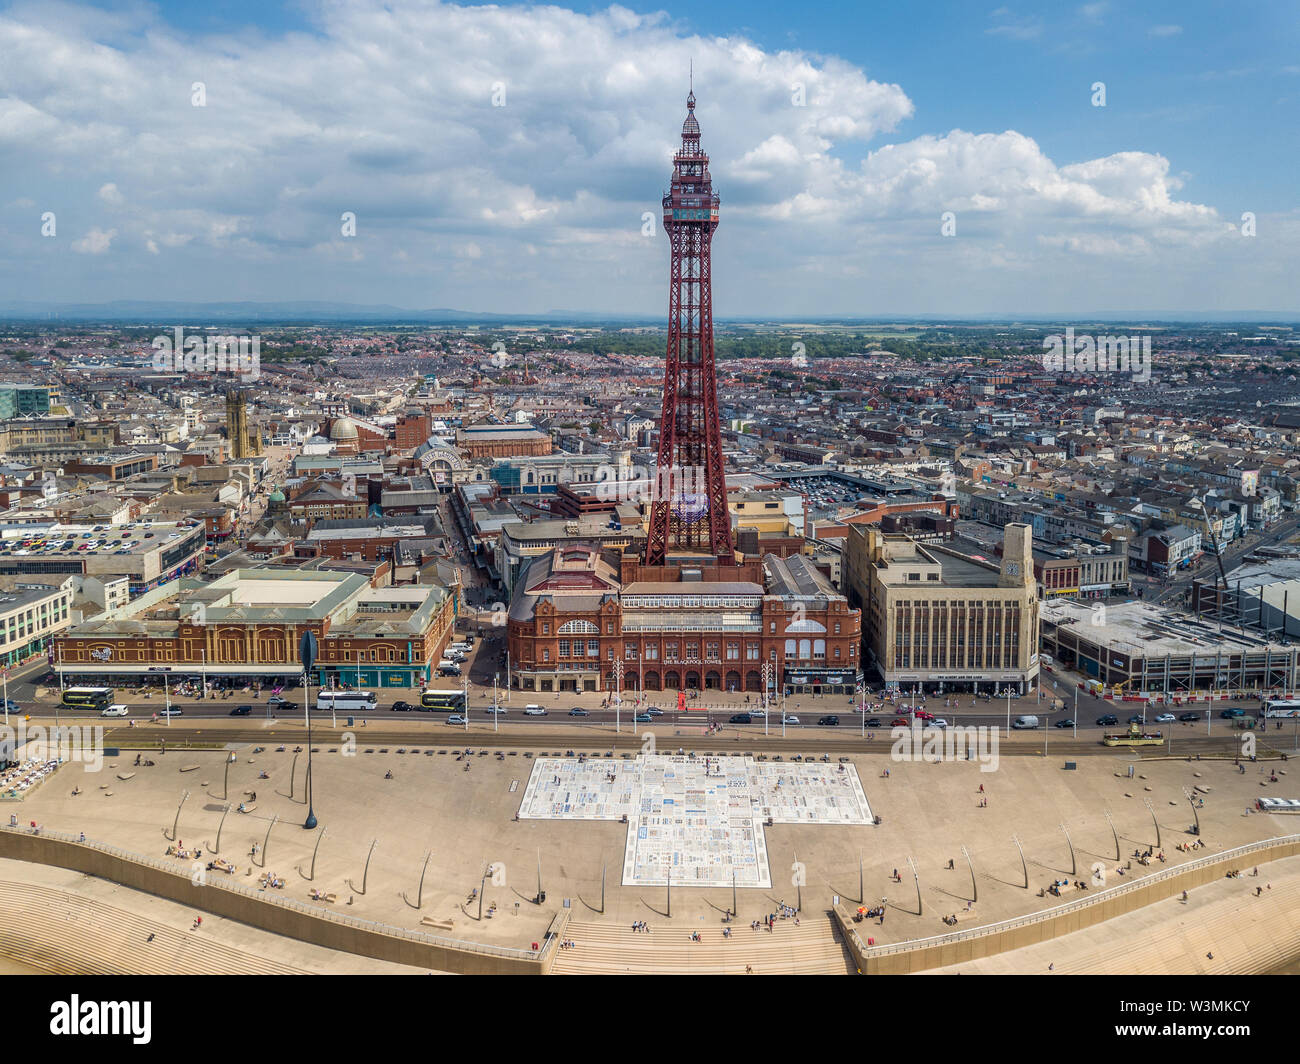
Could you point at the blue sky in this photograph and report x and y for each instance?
(912, 110)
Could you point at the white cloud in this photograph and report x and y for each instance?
(387, 110)
(95, 242)
(1164, 31)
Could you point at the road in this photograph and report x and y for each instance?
(809, 743)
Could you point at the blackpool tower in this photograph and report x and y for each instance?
(688, 513)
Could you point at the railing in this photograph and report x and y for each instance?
(1074, 906)
(288, 903)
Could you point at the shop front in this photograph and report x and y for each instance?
(822, 681)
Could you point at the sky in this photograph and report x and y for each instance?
(873, 160)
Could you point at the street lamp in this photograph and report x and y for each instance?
(618, 695)
(307, 656)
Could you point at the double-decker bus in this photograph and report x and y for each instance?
(1282, 707)
(449, 701)
(346, 701)
(87, 697)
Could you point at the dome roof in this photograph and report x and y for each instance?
(343, 429)
(276, 496)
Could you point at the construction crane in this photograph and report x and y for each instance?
(1214, 539)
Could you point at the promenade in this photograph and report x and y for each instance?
(458, 813)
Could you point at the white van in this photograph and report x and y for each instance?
(114, 711)
(1025, 722)
(534, 710)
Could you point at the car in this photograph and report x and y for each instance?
(759, 713)
(114, 711)
(873, 722)
(1165, 718)
(643, 718)
(1067, 723)
(534, 711)
(938, 722)
(654, 711)
(1189, 717)
(172, 711)
(741, 718)
(1108, 720)
(578, 711)
(789, 720)
(921, 714)
(900, 722)
(1136, 719)
(11, 705)
(403, 707)
(501, 710)
(241, 711)
(276, 700)
(831, 721)
(1232, 714)
(456, 718)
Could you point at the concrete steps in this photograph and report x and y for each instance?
(813, 948)
(65, 934)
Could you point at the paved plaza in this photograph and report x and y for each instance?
(700, 819)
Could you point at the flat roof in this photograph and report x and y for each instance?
(1141, 629)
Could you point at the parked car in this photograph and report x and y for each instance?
(578, 711)
(241, 711)
(831, 721)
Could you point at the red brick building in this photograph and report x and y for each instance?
(577, 621)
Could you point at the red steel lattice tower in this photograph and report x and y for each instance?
(689, 508)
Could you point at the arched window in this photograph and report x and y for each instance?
(579, 627)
